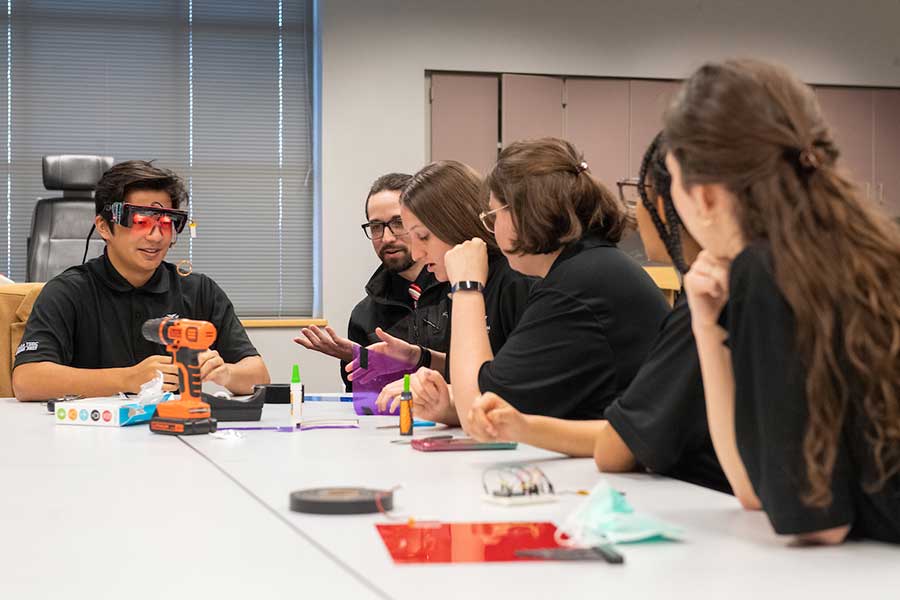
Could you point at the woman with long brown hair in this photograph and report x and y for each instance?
(440, 207)
(801, 367)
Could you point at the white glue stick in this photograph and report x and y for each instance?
(296, 397)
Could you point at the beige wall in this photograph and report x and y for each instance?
(375, 54)
(319, 373)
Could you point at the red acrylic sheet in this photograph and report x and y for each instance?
(464, 542)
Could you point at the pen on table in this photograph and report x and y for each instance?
(415, 424)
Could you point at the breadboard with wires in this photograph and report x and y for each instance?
(517, 485)
(528, 500)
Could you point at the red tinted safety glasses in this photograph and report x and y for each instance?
(145, 218)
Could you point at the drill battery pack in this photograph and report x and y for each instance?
(183, 417)
(182, 426)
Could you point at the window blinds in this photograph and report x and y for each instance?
(217, 90)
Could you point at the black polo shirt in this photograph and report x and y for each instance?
(771, 416)
(90, 317)
(506, 294)
(585, 332)
(661, 417)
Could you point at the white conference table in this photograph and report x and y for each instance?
(96, 512)
(64, 483)
(727, 553)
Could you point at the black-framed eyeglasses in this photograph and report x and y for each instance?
(630, 192)
(489, 217)
(374, 230)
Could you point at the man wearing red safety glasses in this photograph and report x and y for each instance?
(83, 336)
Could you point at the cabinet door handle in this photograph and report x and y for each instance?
(881, 193)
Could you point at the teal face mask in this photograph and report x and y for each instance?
(606, 517)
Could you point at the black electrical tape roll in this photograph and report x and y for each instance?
(341, 501)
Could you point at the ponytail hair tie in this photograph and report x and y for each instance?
(581, 168)
(808, 158)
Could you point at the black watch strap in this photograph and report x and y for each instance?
(424, 357)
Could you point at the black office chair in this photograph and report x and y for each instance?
(60, 225)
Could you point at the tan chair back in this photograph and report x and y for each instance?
(666, 279)
(16, 301)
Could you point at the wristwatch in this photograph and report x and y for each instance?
(424, 357)
(467, 286)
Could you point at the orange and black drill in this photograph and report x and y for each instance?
(185, 339)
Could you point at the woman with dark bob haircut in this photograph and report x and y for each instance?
(589, 321)
(659, 423)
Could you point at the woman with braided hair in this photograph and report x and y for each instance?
(795, 305)
(659, 422)
(660, 228)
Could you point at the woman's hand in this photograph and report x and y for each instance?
(389, 396)
(432, 399)
(390, 346)
(467, 262)
(706, 285)
(493, 418)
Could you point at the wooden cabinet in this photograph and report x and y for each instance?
(612, 121)
(866, 127)
(850, 116)
(887, 149)
(596, 121)
(464, 118)
(649, 100)
(532, 107)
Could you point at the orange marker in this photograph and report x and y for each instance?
(406, 416)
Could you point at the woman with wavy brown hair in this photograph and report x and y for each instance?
(795, 304)
(658, 423)
(591, 319)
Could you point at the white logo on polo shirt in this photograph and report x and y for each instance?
(26, 347)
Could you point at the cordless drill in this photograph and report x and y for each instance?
(185, 339)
